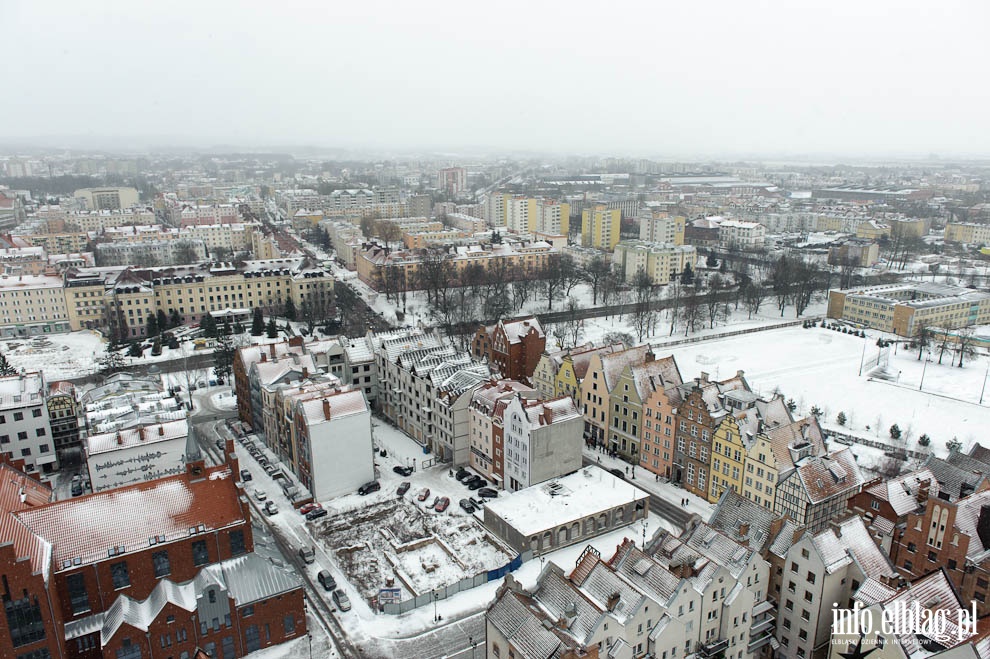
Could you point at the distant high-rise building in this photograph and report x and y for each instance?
(600, 227)
(452, 181)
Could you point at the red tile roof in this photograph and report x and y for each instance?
(19, 492)
(88, 527)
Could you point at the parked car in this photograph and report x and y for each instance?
(260, 495)
(442, 504)
(467, 505)
(474, 479)
(476, 485)
(618, 473)
(270, 469)
(423, 494)
(326, 580)
(271, 508)
(245, 475)
(403, 488)
(309, 507)
(77, 489)
(307, 554)
(368, 488)
(316, 514)
(402, 471)
(487, 493)
(341, 600)
(462, 474)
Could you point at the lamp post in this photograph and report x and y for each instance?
(984, 389)
(473, 643)
(436, 598)
(925, 368)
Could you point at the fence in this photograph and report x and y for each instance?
(722, 335)
(467, 583)
(897, 451)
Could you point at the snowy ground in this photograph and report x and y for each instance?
(224, 400)
(58, 356)
(822, 367)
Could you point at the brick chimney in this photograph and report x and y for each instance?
(923, 490)
(613, 601)
(326, 409)
(650, 356)
(305, 373)
(264, 357)
(271, 349)
(295, 342)
(743, 529)
(161, 431)
(704, 378)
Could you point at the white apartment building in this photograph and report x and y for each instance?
(151, 253)
(661, 228)
(31, 305)
(132, 455)
(542, 440)
(663, 262)
(520, 214)
(106, 198)
(738, 234)
(25, 430)
(336, 454)
(553, 217)
(820, 569)
(99, 220)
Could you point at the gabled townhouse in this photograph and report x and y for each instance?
(542, 440)
(817, 490)
(892, 499)
(657, 434)
(633, 385)
(454, 383)
(774, 454)
(512, 348)
(286, 397)
(545, 374)
(952, 535)
(702, 407)
(560, 373)
(602, 373)
(266, 378)
(486, 459)
(244, 358)
(825, 568)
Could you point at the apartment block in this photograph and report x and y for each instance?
(600, 227)
(738, 234)
(662, 262)
(32, 305)
(512, 348)
(967, 232)
(106, 198)
(907, 307)
(25, 428)
(542, 440)
(486, 424)
(659, 227)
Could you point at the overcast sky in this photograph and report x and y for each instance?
(661, 78)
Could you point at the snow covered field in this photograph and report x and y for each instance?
(821, 367)
(58, 356)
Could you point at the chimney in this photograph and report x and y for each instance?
(305, 373)
(613, 600)
(743, 529)
(923, 489)
(836, 528)
(161, 431)
(983, 525)
(264, 357)
(739, 373)
(326, 409)
(650, 356)
(704, 378)
(271, 349)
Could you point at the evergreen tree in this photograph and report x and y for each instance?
(895, 431)
(290, 309)
(5, 367)
(687, 277)
(152, 326)
(156, 347)
(841, 419)
(711, 261)
(175, 320)
(209, 325)
(238, 328)
(135, 350)
(223, 357)
(225, 330)
(257, 323)
(162, 321)
(271, 329)
(924, 440)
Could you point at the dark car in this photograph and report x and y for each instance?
(618, 473)
(316, 514)
(77, 489)
(476, 485)
(441, 504)
(473, 479)
(368, 488)
(462, 475)
(487, 493)
(245, 475)
(402, 471)
(402, 489)
(467, 505)
(326, 580)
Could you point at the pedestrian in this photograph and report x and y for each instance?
(627, 471)
(656, 477)
(599, 459)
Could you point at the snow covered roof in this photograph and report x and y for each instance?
(557, 595)
(830, 475)
(333, 406)
(657, 374)
(645, 572)
(968, 512)
(801, 433)
(743, 519)
(143, 436)
(872, 591)
(21, 390)
(902, 492)
(954, 481)
(524, 625)
(584, 493)
(849, 541)
(516, 330)
(614, 363)
(93, 527)
(18, 491)
(582, 359)
(485, 396)
(29, 282)
(935, 593)
(607, 587)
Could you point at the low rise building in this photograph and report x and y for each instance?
(486, 429)
(32, 305)
(739, 234)
(908, 307)
(818, 489)
(512, 348)
(63, 415)
(854, 252)
(970, 233)
(139, 454)
(25, 428)
(565, 511)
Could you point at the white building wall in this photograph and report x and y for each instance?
(342, 455)
(134, 464)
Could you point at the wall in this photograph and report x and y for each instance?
(133, 464)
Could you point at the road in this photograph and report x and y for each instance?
(676, 515)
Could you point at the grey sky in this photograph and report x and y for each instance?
(654, 78)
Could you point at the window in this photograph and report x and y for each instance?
(804, 553)
(201, 556)
(811, 577)
(40, 432)
(18, 416)
(807, 596)
(952, 564)
(932, 556)
(162, 566)
(78, 597)
(875, 505)
(36, 412)
(237, 546)
(252, 639)
(794, 567)
(121, 577)
(908, 566)
(24, 620)
(129, 650)
(227, 648)
(247, 611)
(289, 624)
(805, 615)
(912, 547)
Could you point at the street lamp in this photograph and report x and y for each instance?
(436, 598)
(924, 368)
(473, 644)
(984, 389)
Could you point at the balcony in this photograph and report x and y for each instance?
(713, 648)
(761, 626)
(764, 607)
(757, 642)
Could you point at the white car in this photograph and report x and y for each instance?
(260, 495)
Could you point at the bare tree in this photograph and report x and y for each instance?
(754, 295)
(966, 346)
(807, 279)
(389, 232)
(674, 296)
(595, 273)
(712, 298)
(572, 326)
(642, 297)
(943, 341)
(693, 312)
(782, 279)
(923, 337)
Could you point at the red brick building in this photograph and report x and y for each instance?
(155, 569)
(512, 347)
(950, 535)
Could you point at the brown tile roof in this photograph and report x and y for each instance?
(19, 491)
